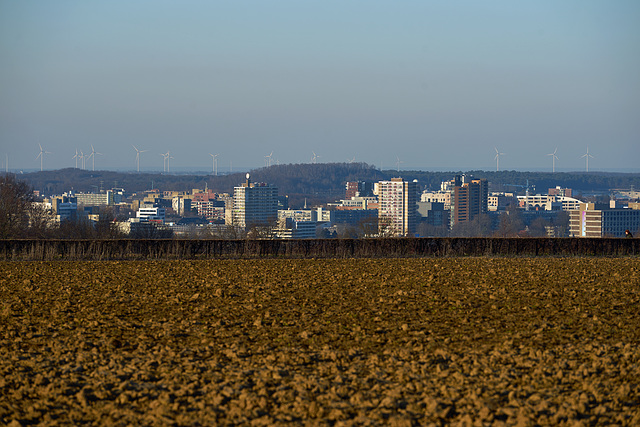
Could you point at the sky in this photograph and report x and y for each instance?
(426, 85)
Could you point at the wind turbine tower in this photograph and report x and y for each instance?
(214, 161)
(92, 156)
(498, 154)
(41, 156)
(398, 161)
(165, 164)
(267, 159)
(554, 158)
(586, 156)
(76, 157)
(138, 156)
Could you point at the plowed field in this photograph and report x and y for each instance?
(402, 341)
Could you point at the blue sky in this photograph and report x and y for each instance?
(436, 84)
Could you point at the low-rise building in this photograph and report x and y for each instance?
(433, 213)
(559, 191)
(548, 202)
(213, 210)
(593, 220)
(443, 197)
(289, 228)
(94, 199)
(65, 208)
(500, 201)
(151, 213)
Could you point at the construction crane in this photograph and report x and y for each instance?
(526, 202)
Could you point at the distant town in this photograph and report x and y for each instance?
(462, 206)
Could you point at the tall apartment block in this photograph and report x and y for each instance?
(254, 204)
(468, 199)
(398, 207)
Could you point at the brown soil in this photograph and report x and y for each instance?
(403, 341)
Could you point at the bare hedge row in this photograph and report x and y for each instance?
(330, 248)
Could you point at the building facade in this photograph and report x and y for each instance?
(254, 205)
(290, 228)
(358, 189)
(65, 208)
(213, 210)
(151, 213)
(548, 202)
(600, 221)
(468, 199)
(398, 207)
(95, 199)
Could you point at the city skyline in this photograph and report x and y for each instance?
(400, 86)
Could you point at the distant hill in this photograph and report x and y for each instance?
(317, 183)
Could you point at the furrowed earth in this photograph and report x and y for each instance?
(321, 342)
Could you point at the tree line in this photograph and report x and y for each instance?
(324, 181)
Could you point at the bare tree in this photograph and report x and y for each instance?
(20, 217)
(510, 223)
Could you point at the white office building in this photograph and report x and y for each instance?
(149, 213)
(254, 205)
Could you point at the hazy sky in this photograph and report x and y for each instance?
(437, 84)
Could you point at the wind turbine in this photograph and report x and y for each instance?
(498, 154)
(587, 155)
(314, 158)
(138, 156)
(165, 156)
(41, 155)
(165, 163)
(267, 159)
(554, 158)
(214, 161)
(352, 160)
(93, 157)
(76, 157)
(398, 161)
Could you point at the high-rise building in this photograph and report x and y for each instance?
(468, 199)
(255, 205)
(398, 207)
